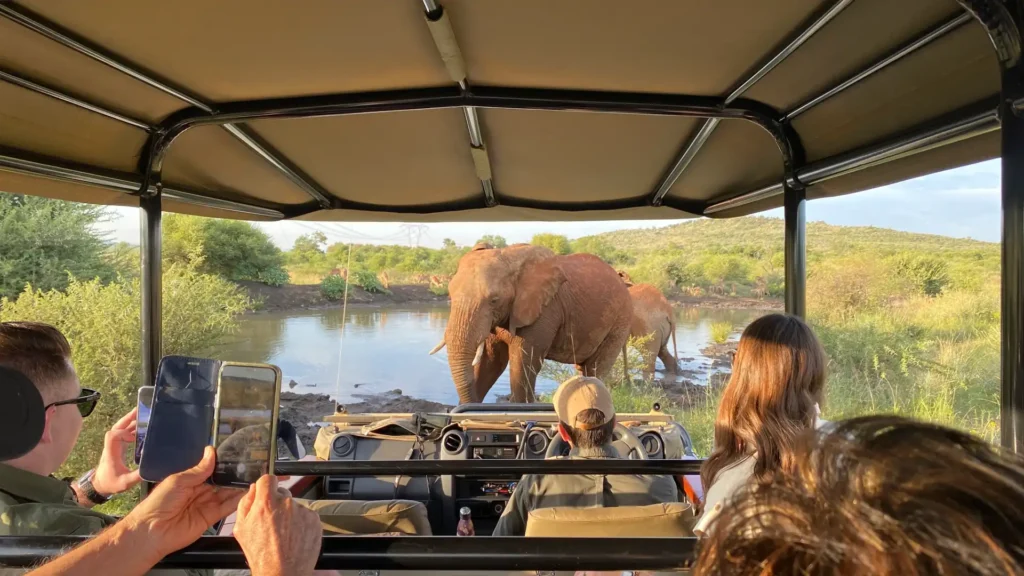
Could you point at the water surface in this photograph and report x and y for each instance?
(386, 349)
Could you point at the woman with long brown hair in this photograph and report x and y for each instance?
(778, 377)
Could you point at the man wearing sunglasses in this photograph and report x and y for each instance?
(32, 501)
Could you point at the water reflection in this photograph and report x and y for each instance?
(386, 349)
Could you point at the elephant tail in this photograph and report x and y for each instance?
(625, 362)
(675, 351)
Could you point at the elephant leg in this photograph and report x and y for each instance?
(601, 363)
(491, 366)
(524, 366)
(670, 362)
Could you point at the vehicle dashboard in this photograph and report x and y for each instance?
(491, 431)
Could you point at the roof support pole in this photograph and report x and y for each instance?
(796, 251)
(1012, 294)
(150, 212)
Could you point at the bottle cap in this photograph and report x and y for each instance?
(464, 511)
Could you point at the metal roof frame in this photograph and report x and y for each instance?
(1002, 21)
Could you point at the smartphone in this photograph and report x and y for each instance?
(181, 419)
(145, 406)
(245, 422)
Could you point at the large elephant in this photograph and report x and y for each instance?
(653, 314)
(520, 305)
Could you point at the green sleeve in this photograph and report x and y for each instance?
(517, 509)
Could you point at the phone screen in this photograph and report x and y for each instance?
(246, 423)
(181, 418)
(145, 407)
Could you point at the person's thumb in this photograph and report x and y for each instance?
(200, 472)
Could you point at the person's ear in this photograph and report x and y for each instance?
(564, 434)
(48, 415)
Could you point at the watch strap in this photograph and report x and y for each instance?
(85, 485)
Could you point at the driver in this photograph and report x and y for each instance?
(586, 421)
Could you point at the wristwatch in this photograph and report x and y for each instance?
(85, 485)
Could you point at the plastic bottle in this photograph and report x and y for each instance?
(465, 527)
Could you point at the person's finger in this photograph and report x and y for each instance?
(246, 502)
(266, 488)
(199, 473)
(132, 479)
(284, 492)
(126, 420)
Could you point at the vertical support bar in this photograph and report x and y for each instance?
(150, 213)
(795, 202)
(1012, 296)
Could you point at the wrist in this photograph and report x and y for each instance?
(88, 493)
(145, 550)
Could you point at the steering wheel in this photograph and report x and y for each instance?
(559, 447)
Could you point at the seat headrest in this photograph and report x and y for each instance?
(669, 520)
(371, 516)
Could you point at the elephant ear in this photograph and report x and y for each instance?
(537, 285)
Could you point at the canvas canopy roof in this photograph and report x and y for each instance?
(485, 109)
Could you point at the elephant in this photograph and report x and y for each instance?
(519, 305)
(652, 313)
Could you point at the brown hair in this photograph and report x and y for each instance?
(37, 350)
(777, 377)
(879, 495)
(594, 437)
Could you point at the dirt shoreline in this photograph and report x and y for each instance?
(293, 297)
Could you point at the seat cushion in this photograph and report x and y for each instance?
(371, 517)
(669, 520)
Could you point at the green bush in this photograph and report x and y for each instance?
(557, 243)
(102, 323)
(438, 290)
(232, 249)
(368, 281)
(274, 277)
(42, 241)
(720, 332)
(333, 287)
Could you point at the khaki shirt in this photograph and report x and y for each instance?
(582, 491)
(34, 505)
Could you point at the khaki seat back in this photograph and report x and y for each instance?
(669, 520)
(403, 517)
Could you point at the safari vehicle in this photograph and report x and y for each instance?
(459, 110)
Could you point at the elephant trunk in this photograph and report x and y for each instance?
(465, 335)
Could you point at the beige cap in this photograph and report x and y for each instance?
(581, 393)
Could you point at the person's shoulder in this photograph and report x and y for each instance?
(50, 519)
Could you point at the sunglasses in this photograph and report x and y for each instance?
(86, 402)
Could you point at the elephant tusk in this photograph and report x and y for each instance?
(479, 354)
(437, 348)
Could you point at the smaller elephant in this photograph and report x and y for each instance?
(652, 313)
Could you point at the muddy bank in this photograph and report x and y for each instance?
(308, 297)
(302, 410)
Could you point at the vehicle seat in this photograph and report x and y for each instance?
(668, 520)
(399, 517)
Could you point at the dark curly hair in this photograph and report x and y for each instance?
(878, 495)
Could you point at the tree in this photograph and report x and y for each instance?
(557, 243)
(493, 240)
(308, 249)
(231, 249)
(598, 247)
(43, 241)
(448, 244)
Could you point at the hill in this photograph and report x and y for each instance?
(744, 256)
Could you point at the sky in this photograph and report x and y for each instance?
(962, 203)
